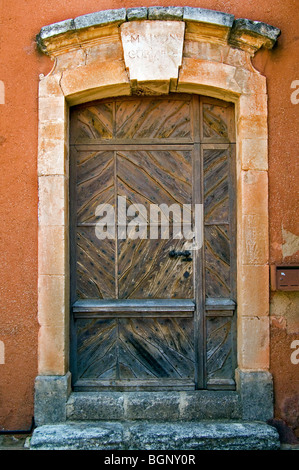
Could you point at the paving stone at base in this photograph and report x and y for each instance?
(204, 435)
(78, 436)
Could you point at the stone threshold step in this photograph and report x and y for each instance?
(130, 435)
(156, 406)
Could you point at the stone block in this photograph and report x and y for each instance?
(253, 105)
(152, 406)
(253, 127)
(52, 130)
(78, 436)
(203, 50)
(266, 33)
(135, 14)
(253, 291)
(100, 18)
(52, 352)
(96, 406)
(249, 82)
(70, 60)
(106, 51)
(253, 188)
(52, 192)
(153, 49)
(208, 16)
(52, 250)
(255, 243)
(209, 404)
(203, 436)
(256, 390)
(253, 153)
(94, 75)
(253, 340)
(218, 76)
(237, 58)
(51, 393)
(52, 300)
(52, 148)
(56, 28)
(49, 86)
(165, 13)
(51, 158)
(52, 30)
(51, 108)
(52, 140)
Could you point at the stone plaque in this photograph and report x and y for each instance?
(153, 49)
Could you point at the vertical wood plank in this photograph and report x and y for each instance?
(198, 274)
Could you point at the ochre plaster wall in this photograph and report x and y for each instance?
(21, 65)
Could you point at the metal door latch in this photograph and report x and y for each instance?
(186, 255)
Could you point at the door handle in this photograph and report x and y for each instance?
(186, 255)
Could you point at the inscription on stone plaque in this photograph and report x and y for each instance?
(153, 49)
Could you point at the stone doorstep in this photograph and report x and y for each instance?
(153, 406)
(201, 435)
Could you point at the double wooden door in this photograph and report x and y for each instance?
(151, 306)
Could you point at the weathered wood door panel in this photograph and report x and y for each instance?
(130, 350)
(141, 317)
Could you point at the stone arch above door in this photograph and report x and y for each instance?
(91, 62)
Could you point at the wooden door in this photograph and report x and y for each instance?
(146, 314)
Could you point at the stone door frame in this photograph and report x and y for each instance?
(89, 64)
